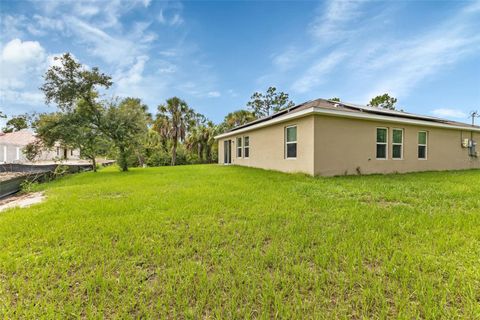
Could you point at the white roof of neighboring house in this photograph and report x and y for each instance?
(18, 138)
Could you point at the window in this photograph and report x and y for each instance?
(422, 145)
(397, 144)
(239, 147)
(291, 142)
(18, 154)
(58, 151)
(246, 147)
(382, 140)
(71, 152)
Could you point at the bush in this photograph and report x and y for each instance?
(159, 158)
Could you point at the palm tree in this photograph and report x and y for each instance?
(211, 130)
(175, 116)
(160, 125)
(194, 141)
(237, 118)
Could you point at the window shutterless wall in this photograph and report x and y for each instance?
(344, 145)
(266, 147)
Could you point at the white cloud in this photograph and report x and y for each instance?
(333, 24)
(133, 76)
(170, 17)
(450, 113)
(318, 72)
(369, 57)
(213, 94)
(401, 66)
(21, 53)
(20, 62)
(119, 50)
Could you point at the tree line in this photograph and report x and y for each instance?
(124, 129)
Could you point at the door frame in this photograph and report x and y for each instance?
(227, 152)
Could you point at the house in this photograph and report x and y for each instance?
(13, 144)
(328, 138)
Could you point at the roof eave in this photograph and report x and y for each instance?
(347, 114)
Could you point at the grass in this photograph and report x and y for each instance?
(210, 241)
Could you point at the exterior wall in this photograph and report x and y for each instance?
(46, 155)
(342, 145)
(267, 147)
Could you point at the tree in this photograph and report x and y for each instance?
(78, 122)
(236, 118)
(16, 123)
(2, 115)
(175, 116)
(72, 129)
(335, 99)
(125, 124)
(384, 101)
(67, 83)
(264, 104)
(33, 150)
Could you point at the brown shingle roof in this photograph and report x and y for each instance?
(354, 108)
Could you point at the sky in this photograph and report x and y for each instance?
(215, 54)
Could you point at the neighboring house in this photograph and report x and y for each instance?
(12, 146)
(323, 137)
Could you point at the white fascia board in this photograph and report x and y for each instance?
(347, 114)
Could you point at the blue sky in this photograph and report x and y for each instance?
(216, 54)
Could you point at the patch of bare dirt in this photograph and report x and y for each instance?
(21, 200)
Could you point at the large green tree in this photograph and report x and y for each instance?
(175, 117)
(72, 129)
(384, 101)
(68, 82)
(16, 123)
(264, 104)
(125, 124)
(74, 89)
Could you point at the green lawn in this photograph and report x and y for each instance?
(210, 241)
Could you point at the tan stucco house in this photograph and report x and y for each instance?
(323, 137)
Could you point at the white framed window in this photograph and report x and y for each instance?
(58, 151)
(18, 154)
(246, 147)
(382, 142)
(239, 147)
(291, 142)
(71, 152)
(397, 144)
(4, 153)
(422, 145)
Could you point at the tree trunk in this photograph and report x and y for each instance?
(94, 164)
(208, 151)
(199, 152)
(141, 160)
(123, 159)
(174, 152)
